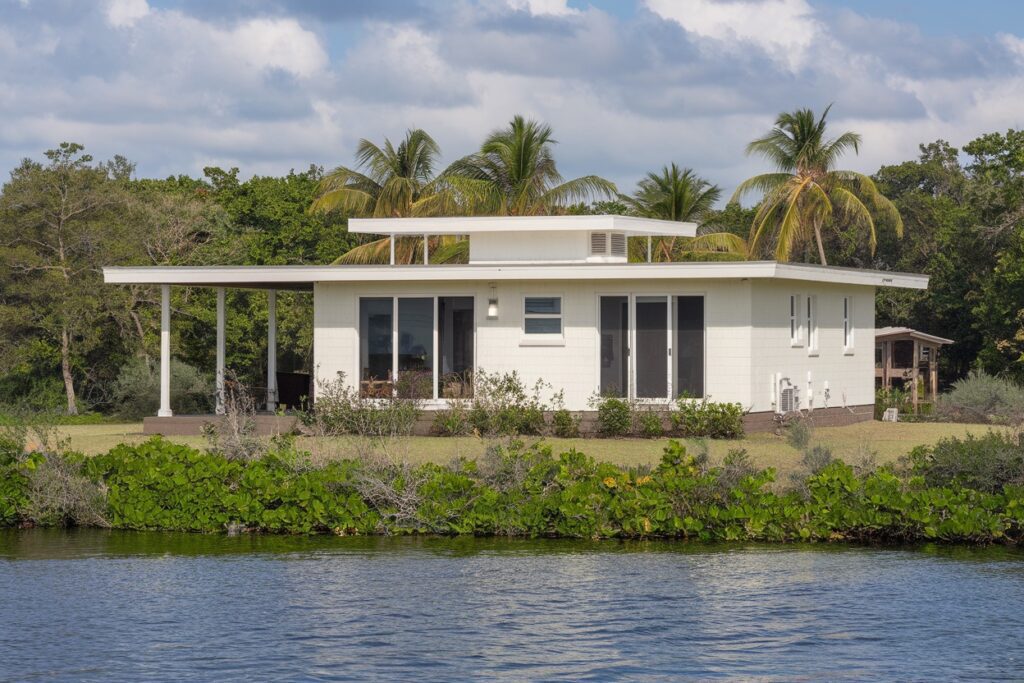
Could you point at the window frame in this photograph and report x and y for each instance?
(796, 323)
(543, 338)
(849, 338)
(811, 313)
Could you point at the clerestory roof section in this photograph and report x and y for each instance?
(470, 225)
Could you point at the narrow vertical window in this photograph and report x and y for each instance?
(455, 343)
(847, 324)
(812, 324)
(376, 371)
(795, 330)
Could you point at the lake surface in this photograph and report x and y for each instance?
(116, 606)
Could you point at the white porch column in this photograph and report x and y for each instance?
(272, 350)
(426, 250)
(648, 248)
(220, 351)
(392, 249)
(165, 352)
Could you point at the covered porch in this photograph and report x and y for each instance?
(278, 391)
(908, 360)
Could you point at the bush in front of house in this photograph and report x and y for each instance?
(983, 463)
(980, 397)
(614, 415)
(707, 419)
(341, 410)
(649, 424)
(503, 405)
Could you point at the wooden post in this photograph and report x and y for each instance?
(914, 376)
(887, 364)
(933, 370)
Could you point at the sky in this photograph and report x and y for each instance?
(627, 85)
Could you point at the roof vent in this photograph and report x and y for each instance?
(618, 244)
(598, 243)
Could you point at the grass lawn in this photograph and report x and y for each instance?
(887, 441)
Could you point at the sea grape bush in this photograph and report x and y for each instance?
(704, 418)
(528, 491)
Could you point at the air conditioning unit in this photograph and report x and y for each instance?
(789, 397)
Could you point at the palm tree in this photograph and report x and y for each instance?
(514, 174)
(392, 181)
(806, 192)
(677, 194)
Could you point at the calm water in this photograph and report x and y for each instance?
(108, 606)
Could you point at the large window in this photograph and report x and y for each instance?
(415, 377)
(400, 354)
(542, 315)
(455, 343)
(376, 374)
(614, 345)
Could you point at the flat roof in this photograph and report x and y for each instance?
(303, 277)
(468, 225)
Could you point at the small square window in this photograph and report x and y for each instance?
(542, 315)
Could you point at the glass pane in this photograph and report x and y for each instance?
(546, 304)
(543, 326)
(455, 341)
(651, 347)
(614, 355)
(690, 346)
(375, 372)
(416, 348)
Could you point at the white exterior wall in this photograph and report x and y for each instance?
(746, 335)
(565, 246)
(850, 373)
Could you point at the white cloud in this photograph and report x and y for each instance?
(125, 13)
(785, 29)
(541, 7)
(275, 44)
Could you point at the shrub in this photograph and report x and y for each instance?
(136, 391)
(650, 424)
(892, 398)
(704, 418)
(453, 420)
(614, 416)
(983, 398)
(341, 410)
(60, 494)
(565, 424)
(798, 434)
(234, 435)
(503, 406)
(984, 463)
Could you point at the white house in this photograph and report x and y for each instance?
(555, 298)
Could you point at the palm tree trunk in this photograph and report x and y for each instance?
(817, 239)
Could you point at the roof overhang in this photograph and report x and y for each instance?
(900, 333)
(470, 225)
(303, 277)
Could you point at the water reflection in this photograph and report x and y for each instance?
(127, 606)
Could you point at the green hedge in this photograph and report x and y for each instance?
(524, 491)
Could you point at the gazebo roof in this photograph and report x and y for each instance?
(899, 333)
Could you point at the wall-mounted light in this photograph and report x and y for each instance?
(492, 304)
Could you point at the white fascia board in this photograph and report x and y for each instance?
(469, 225)
(302, 277)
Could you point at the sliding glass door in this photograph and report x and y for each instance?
(614, 331)
(689, 346)
(651, 346)
(652, 354)
(416, 347)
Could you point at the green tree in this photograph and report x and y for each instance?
(59, 224)
(677, 194)
(806, 193)
(515, 174)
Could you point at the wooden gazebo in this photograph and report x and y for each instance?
(909, 360)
